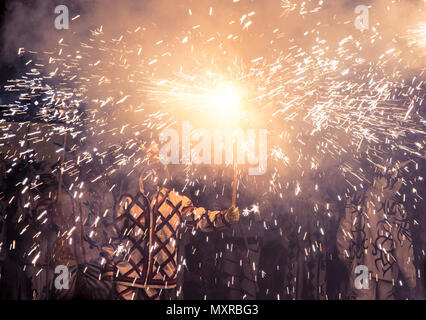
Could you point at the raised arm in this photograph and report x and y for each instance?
(205, 220)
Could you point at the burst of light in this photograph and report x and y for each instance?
(224, 99)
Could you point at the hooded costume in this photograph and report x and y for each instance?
(88, 214)
(143, 249)
(375, 232)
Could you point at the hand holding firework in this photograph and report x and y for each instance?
(232, 215)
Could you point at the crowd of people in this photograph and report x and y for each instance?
(137, 237)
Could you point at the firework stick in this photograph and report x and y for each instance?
(234, 186)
